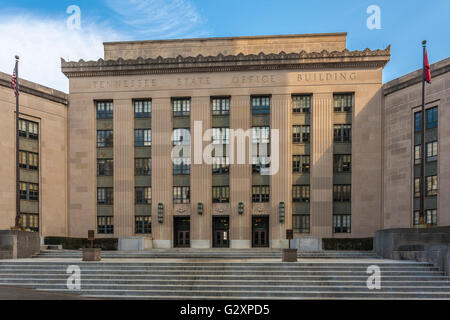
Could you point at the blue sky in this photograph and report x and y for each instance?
(37, 29)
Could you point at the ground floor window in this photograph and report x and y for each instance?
(342, 223)
(105, 225)
(30, 221)
(143, 224)
(429, 219)
(301, 223)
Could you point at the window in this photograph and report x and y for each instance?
(342, 133)
(142, 137)
(301, 104)
(432, 186)
(28, 129)
(181, 195)
(416, 218)
(220, 136)
(342, 163)
(220, 106)
(28, 160)
(105, 138)
(432, 117)
(260, 105)
(142, 108)
(181, 165)
(143, 195)
(143, 224)
(260, 164)
(260, 193)
(105, 225)
(301, 134)
(30, 221)
(142, 167)
(342, 223)
(105, 195)
(221, 165)
(104, 110)
(432, 151)
(181, 137)
(418, 121)
(417, 154)
(431, 217)
(181, 107)
(29, 191)
(261, 135)
(300, 223)
(342, 192)
(300, 193)
(105, 167)
(221, 194)
(416, 187)
(343, 102)
(300, 163)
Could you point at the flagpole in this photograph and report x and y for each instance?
(422, 157)
(17, 220)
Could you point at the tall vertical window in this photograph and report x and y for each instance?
(342, 163)
(418, 121)
(105, 138)
(181, 137)
(142, 137)
(301, 223)
(143, 224)
(30, 221)
(261, 135)
(342, 223)
(105, 225)
(432, 186)
(28, 160)
(221, 136)
(181, 107)
(343, 102)
(342, 132)
(142, 108)
(260, 105)
(417, 154)
(221, 165)
(181, 195)
(181, 165)
(260, 163)
(342, 192)
(416, 187)
(28, 129)
(301, 103)
(104, 109)
(260, 193)
(432, 151)
(221, 194)
(301, 134)
(105, 196)
(301, 163)
(220, 106)
(29, 191)
(300, 193)
(432, 117)
(143, 195)
(431, 217)
(142, 166)
(105, 167)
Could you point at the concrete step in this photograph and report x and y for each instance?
(279, 294)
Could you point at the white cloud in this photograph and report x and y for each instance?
(41, 42)
(157, 19)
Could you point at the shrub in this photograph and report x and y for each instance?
(356, 244)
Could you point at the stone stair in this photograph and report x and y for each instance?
(207, 254)
(306, 279)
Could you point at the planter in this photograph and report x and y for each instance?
(289, 255)
(92, 254)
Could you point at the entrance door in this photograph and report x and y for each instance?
(221, 229)
(260, 232)
(181, 232)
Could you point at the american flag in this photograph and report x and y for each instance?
(14, 82)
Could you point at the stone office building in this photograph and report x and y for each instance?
(339, 161)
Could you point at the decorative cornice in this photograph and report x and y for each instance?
(221, 63)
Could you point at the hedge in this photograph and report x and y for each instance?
(356, 244)
(108, 244)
